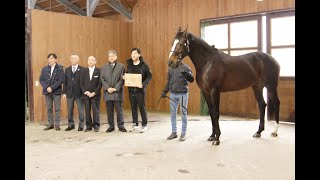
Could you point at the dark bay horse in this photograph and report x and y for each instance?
(218, 72)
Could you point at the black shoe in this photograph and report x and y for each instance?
(88, 129)
(48, 128)
(69, 128)
(57, 128)
(172, 136)
(80, 129)
(110, 129)
(122, 129)
(96, 129)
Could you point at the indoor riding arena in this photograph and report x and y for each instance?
(160, 89)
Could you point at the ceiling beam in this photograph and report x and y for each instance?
(37, 7)
(31, 4)
(60, 5)
(41, 1)
(91, 6)
(119, 8)
(101, 12)
(72, 7)
(55, 6)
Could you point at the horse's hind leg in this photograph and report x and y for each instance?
(257, 89)
(215, 98)
(210, 107)
(273, 110)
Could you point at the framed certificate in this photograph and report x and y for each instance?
(133, 80)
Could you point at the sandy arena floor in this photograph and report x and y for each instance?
(99, 155)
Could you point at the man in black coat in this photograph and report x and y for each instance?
(51, 79)
(137, 95)
(72, 91)
(90, 84)
(178, 78)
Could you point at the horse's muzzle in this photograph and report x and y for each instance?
(173, 64)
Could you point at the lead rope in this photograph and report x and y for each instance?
(181, 104)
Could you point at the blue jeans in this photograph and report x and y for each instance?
(179, 99)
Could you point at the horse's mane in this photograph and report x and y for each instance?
(202, 43)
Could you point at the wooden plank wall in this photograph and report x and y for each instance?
(152, 29)
(64, 34)
(154, 25)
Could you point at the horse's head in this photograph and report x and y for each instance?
(180, 48)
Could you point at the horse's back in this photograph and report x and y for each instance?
(269, 67)
(248, 69)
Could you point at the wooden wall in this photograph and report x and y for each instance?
(152, 30)
(154, 26)
(64, 34)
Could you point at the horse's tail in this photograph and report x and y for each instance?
(271, 74)
(273, 106)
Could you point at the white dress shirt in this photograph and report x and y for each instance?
(74, 68)
(52, 68)
(91, 69)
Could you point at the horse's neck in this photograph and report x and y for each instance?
(200, 56)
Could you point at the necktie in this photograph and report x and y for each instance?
(73, 69)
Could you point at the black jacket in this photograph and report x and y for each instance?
(92, 86)
(178, 78)
(71, 86)
(55, 81)
(143, 69)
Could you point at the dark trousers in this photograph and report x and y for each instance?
(50, 100)
(56, 100)
(138, 99)
(110, 110)
(70, 102)
(94, 104)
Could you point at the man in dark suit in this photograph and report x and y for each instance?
(90, 84)
(112, 82)
(51, 79)
(71, 90)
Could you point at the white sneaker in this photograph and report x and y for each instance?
(134, 128)
(144, 129)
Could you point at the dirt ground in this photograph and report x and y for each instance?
(73, 155)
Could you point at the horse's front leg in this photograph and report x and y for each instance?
(210, 107)
(215, 115)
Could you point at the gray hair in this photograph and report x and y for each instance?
(112, 52)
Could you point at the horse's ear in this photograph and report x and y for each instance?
(185, 31)
(179, 29)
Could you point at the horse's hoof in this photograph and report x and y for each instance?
(257, 135)
(210, 138)
(215, 143)
(274, 134)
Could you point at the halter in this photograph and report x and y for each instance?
(182, 54)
